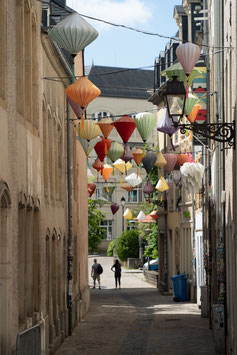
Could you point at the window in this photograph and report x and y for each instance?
(99, 115)
(107, 229)
(135, 195)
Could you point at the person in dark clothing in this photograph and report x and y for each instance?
(116, 268)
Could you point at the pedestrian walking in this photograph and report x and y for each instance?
(96, 271)
(116, 268)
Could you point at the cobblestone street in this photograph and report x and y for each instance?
(137, 320)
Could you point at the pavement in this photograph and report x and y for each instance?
(137, 320)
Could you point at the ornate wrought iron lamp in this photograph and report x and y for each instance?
(175, 96)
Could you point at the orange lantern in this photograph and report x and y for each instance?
(106, 126)
(193, 114)
(83, 91)
(181, 159)
(105, 173)
(137, 156)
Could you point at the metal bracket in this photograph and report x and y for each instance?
(219, 132)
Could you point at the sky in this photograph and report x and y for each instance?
(118, 47)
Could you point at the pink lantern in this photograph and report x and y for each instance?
(171, 161)
(188, 55)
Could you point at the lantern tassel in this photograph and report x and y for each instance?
(161, 199)
(97, 176)
(113, 171)
(187, 90)
(88, 150)
(88, 165)
(137, 172)
(106, 148)
(191, 136)
(121, 181)
(83, 121)
(107, 189)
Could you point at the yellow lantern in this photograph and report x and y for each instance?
(160, 161)
(162, 185)
(127, 214)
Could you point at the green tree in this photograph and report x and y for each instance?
(110, 249)
(95, 233)
(127, 245)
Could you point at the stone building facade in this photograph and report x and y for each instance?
(33, 185)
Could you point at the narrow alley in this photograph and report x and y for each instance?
(137, 320)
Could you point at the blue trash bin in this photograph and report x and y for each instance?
(180, 287)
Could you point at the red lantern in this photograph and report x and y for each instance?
(98, 166)
(125, 127)
(91, 189)
(100, 147)
(114, 207)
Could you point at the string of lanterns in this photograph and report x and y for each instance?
(74, 34)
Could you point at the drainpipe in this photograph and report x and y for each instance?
(70, 257)
(165, 232)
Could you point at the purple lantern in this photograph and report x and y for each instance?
(76, 108)
(171, 161)
(128, 154)
(148, 189)
(114, 207)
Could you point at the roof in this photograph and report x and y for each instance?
(180, 9)
(121, 82)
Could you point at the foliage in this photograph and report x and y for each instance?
(110, 249)
(127, 245)
(95, 233)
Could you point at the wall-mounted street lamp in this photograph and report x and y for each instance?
(123, 202)
(175, 96)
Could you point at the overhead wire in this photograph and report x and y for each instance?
(56, 5)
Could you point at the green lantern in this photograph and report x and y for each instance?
(115, 151)
(145, 123)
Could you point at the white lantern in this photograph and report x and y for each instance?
(73, 33)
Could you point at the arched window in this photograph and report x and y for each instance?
(4, 262)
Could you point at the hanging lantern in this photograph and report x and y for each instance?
(114, 208)
(90, 131)
(145, 123)
(108, 192)
(191, 100)
(128, 154)
(154, 214)
(188, 54)
(106, 126)
(76, 108)
(101, 201)
(91, 189)
(88, 146)
(126, 187)
(100, 147)
(148, 161)
(98, 166)
(137, 156)
(165, 124)
(133, 180)
(193, 114)
(148, 189)
(127, 214)
(162, 185)
(115, 152)
(121, 166)
(181, 159)
(141, 216)
(125, 127)
(73, 33)
(83, 91)
(105, 173)
(160, 160)
(171, 161)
